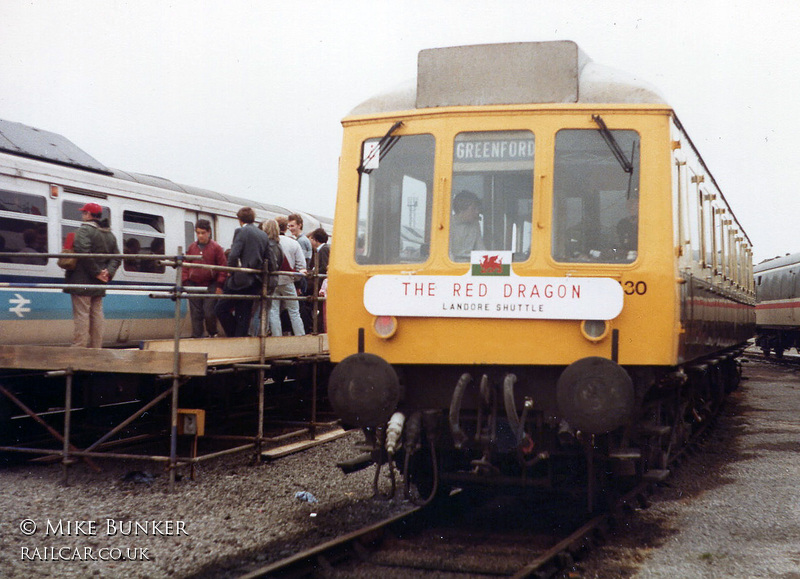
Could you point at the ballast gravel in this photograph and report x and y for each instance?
(232, 518)
(730, 510)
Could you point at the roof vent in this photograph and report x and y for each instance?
(497, 74)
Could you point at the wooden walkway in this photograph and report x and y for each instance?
(224, 351)
(157, 356)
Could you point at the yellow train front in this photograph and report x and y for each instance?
(535, 279)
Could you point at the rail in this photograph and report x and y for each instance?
(389, 545)
(176, 292)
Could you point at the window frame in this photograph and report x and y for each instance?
(37, 222)
(370, 207)
(517, 233)
(636, 188)
(130, 232)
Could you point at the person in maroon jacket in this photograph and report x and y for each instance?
(202, 309)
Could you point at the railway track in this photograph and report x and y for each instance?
(465, 535)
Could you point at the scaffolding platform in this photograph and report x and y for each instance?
(179, 360)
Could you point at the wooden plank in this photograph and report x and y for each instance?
(124, 361)
(226, 350)
(288, 449)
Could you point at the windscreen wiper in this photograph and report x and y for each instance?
(382, 148)
(608, 137)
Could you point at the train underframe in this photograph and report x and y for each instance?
(777, 339)
(512, 427)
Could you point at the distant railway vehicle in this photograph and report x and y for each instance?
(778, 309)
(536, 279)
(44, 181)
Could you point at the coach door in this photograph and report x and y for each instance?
(192, 217)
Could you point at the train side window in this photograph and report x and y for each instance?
(708, 225)
(741, 280)
(682, 202)
(143, 234)
(596, 196)
(23, 227)
(786, 284)
(720, 230)
(730, 248)
(773, 287)
(394, 204)
(71, 211)
(694, 208)
(714, 241)
(795, 280)
(763, 289)
(492, 201)
(188, 234)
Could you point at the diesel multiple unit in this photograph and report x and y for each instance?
(536, 279)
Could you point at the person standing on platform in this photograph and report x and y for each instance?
(295, 226)
(293, 260)
(93, 273)
(249, 249)
(322, 252)
(319, 241)
(201, 309)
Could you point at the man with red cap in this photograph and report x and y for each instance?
(92, 273)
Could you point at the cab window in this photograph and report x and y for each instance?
(394, 203)
(596, 196)
(492, 193)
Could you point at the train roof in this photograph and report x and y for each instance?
(163, 183)
(32, 143)
(776, 262)
(512, 73)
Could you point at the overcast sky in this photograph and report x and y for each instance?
(246, 97)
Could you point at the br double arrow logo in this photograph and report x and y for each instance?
(19, 304)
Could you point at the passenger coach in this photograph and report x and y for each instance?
(44, 181)
(534, 268)
(778, 309)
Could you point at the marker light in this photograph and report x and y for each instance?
(594, 330)
(385, 326)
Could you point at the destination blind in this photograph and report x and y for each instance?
(494, 150)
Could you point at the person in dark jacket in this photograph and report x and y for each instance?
(249, 249)
(319, 241)
(322, 253)
(92, 273)
(201, 310)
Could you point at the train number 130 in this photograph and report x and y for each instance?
(634, 287)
